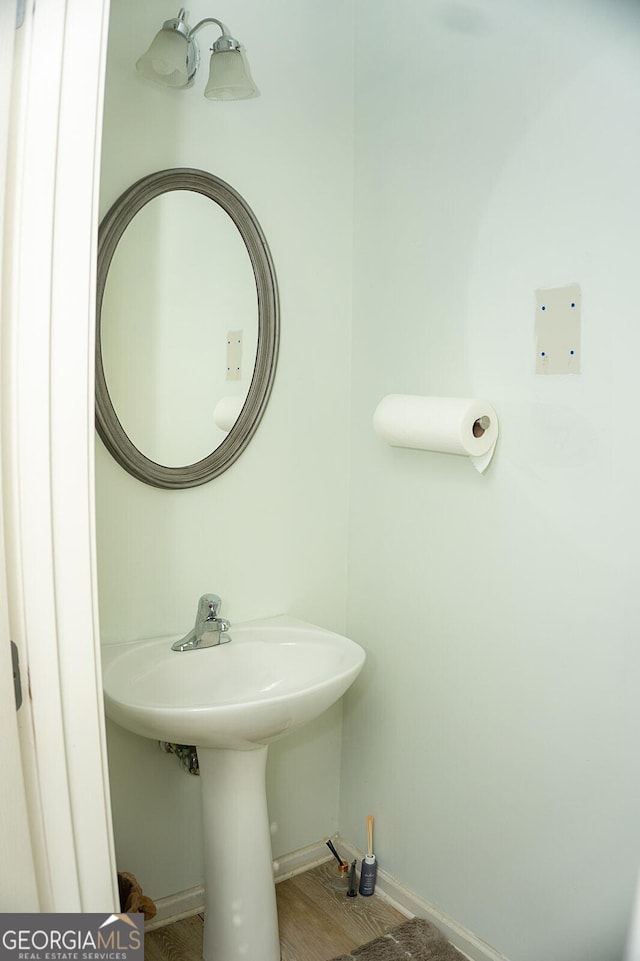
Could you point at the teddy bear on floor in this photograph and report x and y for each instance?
(132, 900)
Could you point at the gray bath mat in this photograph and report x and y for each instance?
(414, 940)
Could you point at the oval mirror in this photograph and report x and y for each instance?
(187, 328)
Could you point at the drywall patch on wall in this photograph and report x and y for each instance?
(558, 329)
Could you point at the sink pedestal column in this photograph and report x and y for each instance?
(240, 918)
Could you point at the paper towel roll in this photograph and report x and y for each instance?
(451, 425)
(226, 412)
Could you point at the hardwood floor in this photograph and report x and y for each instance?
(180, 941)
(317, 921)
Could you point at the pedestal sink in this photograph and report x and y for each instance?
(231, 701)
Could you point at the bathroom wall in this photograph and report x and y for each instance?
(269, 535)
(494, 730)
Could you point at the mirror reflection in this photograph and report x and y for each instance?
(179, 327)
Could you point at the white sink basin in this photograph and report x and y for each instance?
(274, 675)
(231, 701)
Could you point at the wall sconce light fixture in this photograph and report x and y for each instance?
(173, 60)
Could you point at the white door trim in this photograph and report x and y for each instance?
(18, 889)
(49, 492)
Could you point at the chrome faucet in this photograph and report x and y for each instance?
(209, 629)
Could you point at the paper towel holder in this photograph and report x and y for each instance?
(447, 425)
(481, 425)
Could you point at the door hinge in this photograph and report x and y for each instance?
(17, 686)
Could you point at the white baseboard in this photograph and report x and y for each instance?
(187, 903)
(301, 860)
(413, 906)
(177, 906)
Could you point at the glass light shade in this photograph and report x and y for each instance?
(230, 77)
(166, 59)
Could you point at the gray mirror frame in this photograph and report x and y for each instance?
(109, 428)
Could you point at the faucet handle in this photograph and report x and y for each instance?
(208, 607)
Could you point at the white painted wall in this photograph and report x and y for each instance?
(269, 536)
(493, 732)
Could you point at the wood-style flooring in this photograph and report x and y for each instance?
(317, 921)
